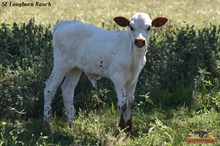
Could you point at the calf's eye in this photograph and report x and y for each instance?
(148, 29)
(132, 28)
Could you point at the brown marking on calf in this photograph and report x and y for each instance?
(159, 21)
(121, 123)
(123, 108)
(127, 126)
(122, 21)
(139, 42)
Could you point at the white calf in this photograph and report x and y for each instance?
(117, 55)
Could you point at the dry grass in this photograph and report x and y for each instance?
(192, 12)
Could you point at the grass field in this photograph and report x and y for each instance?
(157, 126)
(192, 12)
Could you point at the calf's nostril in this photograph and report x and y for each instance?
(139, 42)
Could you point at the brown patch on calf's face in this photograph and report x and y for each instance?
(139, 43)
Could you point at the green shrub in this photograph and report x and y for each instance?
(174, 59)
(26, 61)
(171, 75)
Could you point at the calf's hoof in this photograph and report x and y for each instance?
(70, 125)
(46, 126)
(126, 126)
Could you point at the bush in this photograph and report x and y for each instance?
(26, 61)
(174, 59)
(171, 75)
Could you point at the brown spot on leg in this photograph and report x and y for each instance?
(48, 112)
(70, 125)
(46, 126)
(121, 123)
(123, 108)
(129, 127)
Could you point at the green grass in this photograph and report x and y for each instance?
(156, 127)
(192, 12)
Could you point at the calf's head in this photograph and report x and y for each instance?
(140, 26)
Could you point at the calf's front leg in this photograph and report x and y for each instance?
(124, 104)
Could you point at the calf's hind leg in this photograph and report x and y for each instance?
(52, 84)
(68, 88)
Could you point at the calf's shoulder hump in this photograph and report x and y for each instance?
(66, 23)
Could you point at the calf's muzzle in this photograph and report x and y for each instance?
(139, 43)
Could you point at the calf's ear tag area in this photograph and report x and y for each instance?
(159, 21)
(122, 21)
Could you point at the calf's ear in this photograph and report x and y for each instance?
(159, 21)
(122, 21)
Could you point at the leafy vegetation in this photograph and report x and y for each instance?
(155, 127)
(178, 89)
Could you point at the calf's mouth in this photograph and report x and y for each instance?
(139, 43)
